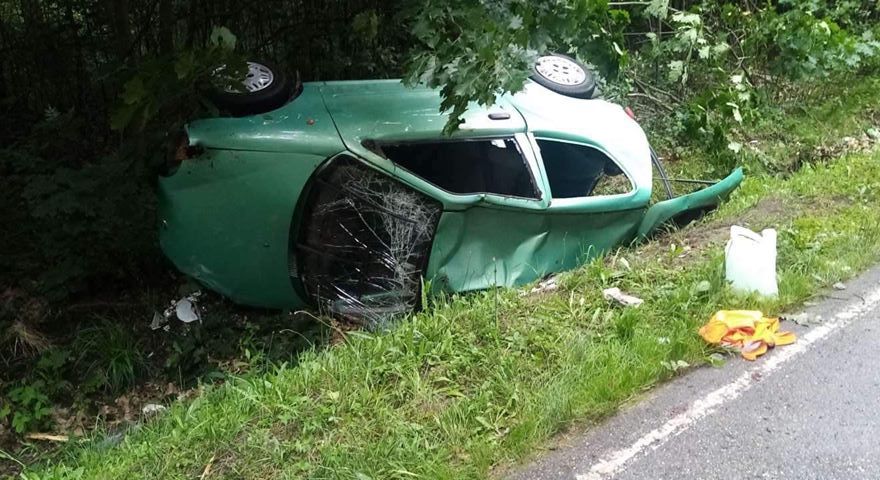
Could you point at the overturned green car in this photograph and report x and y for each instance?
(350, 199)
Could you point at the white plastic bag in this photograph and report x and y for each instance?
(750, 261)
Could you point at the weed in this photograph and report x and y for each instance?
(28, 406)
(28, 403)
(110, 357)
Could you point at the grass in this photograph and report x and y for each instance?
(801, 123)
(478, 381)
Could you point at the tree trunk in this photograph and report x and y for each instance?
(167, 23)
(121, 29)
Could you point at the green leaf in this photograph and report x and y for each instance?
(720, 48)
(121, 117)
(134, 91)
(716, 360)
(704, 52)
(222, 37)
(184, 65)
(516, 23)
(676, 70)
(658, 8)
(366, 25)
(687, 18)
(735, 111)
(20, 422)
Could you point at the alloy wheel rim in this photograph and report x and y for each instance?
(560, 70)
(258, 77)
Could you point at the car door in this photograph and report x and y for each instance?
(493, 202)
(595, 205)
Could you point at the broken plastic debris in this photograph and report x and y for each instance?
(622, 298)
(159, 321)
(186, 309)
(804, 319)
(547, 285)
(152, 408)
(750, 261)
(749, 331)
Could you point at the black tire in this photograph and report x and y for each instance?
(272, 96)
(583, 89)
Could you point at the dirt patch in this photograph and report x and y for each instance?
(697, 238)
(676, 247)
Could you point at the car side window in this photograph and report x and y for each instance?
(575, 170)
(494, 166)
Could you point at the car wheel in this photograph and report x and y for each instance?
(564, 75)
(264, 88)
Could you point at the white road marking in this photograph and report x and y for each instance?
(615, 461)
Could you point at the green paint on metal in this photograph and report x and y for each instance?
(706, 199)
(225, 220)
(482, 247)
(302, 126)
(384, 110)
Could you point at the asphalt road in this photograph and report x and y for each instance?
(805, 411)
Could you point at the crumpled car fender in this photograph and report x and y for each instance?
(705, 199)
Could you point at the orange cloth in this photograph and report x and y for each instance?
(747, 330)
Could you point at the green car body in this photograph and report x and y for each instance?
(251, 216)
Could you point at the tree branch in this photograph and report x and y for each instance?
(654, 99)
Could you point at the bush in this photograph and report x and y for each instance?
(27, 404)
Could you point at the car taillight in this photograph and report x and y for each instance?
(630, 113)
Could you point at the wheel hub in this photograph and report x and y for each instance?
(258, 77)
(560, 70)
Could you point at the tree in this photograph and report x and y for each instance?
(474, 50)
